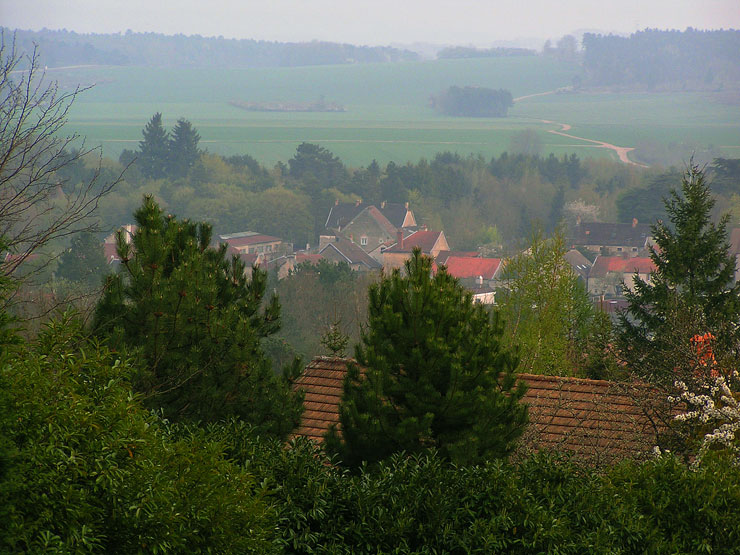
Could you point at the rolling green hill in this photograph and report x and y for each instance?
(388, 117)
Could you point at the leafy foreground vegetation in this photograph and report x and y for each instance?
(85, 468)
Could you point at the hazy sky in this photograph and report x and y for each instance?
(369, 22)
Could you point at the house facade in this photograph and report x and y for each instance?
(610, 274)
(431, 244)
(613, 239)
(251, 242)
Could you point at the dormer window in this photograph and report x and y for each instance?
(363, 240)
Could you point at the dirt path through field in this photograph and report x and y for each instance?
(622, 151)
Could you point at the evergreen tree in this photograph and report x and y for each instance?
(84, 261)
(691, 291)
(435, 375)
(183, 148)
(199, 322)
(154, 149)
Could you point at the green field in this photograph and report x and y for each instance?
(387, 115)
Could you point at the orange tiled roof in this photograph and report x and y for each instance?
(463, 267)
(425, 240)
(604, 264)
(589, 418)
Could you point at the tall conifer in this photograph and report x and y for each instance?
(691, 292)
(435, 375)
(154, 149)
(198, 321)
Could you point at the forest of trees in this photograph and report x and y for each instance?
(478, 102)
(62, 48)
(656, 59)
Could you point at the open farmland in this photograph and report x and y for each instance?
(387, 115)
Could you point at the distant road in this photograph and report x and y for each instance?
(622, 151)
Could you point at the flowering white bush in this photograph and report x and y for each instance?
(716, 406)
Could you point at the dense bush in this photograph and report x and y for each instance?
(84, 468)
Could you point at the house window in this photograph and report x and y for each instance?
(363, 241)
(619, 249)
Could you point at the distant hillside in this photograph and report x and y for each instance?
(67, 48)
(664, 60)
(457, 52)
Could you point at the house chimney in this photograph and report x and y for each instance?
(634, 222)
(406, 204)
(399, 239)
(382, 205)
(358, 202)
(351, 238)
(336, 202)
(479, 281)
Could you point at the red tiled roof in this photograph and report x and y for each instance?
(322, 381)
(593, 419)
(444, 255)
(461, 267)
(425, 240)
(604, 264)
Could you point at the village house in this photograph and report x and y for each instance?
(612, 239)
(609, 274)
(251, 242)
(580, 265)
(431, 244)
(596, 421)
(338, 249)
(367, 225)
(478, 275)
(285, 264)
(110, 242)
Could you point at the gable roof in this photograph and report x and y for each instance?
(580, 264)
(246, 238)
(605, 264)
(611, 234)
(463, 267)
(383, 222)
(589, 418)
(351, 252)
(425, 240)
(395, 212)
(444, 255)
(342, 214)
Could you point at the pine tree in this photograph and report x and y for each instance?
(198, 322)
(435, 375)
(691, 291)
(84, 261)
(154, 149)
(183, 148)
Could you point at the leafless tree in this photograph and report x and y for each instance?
(36, 205)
